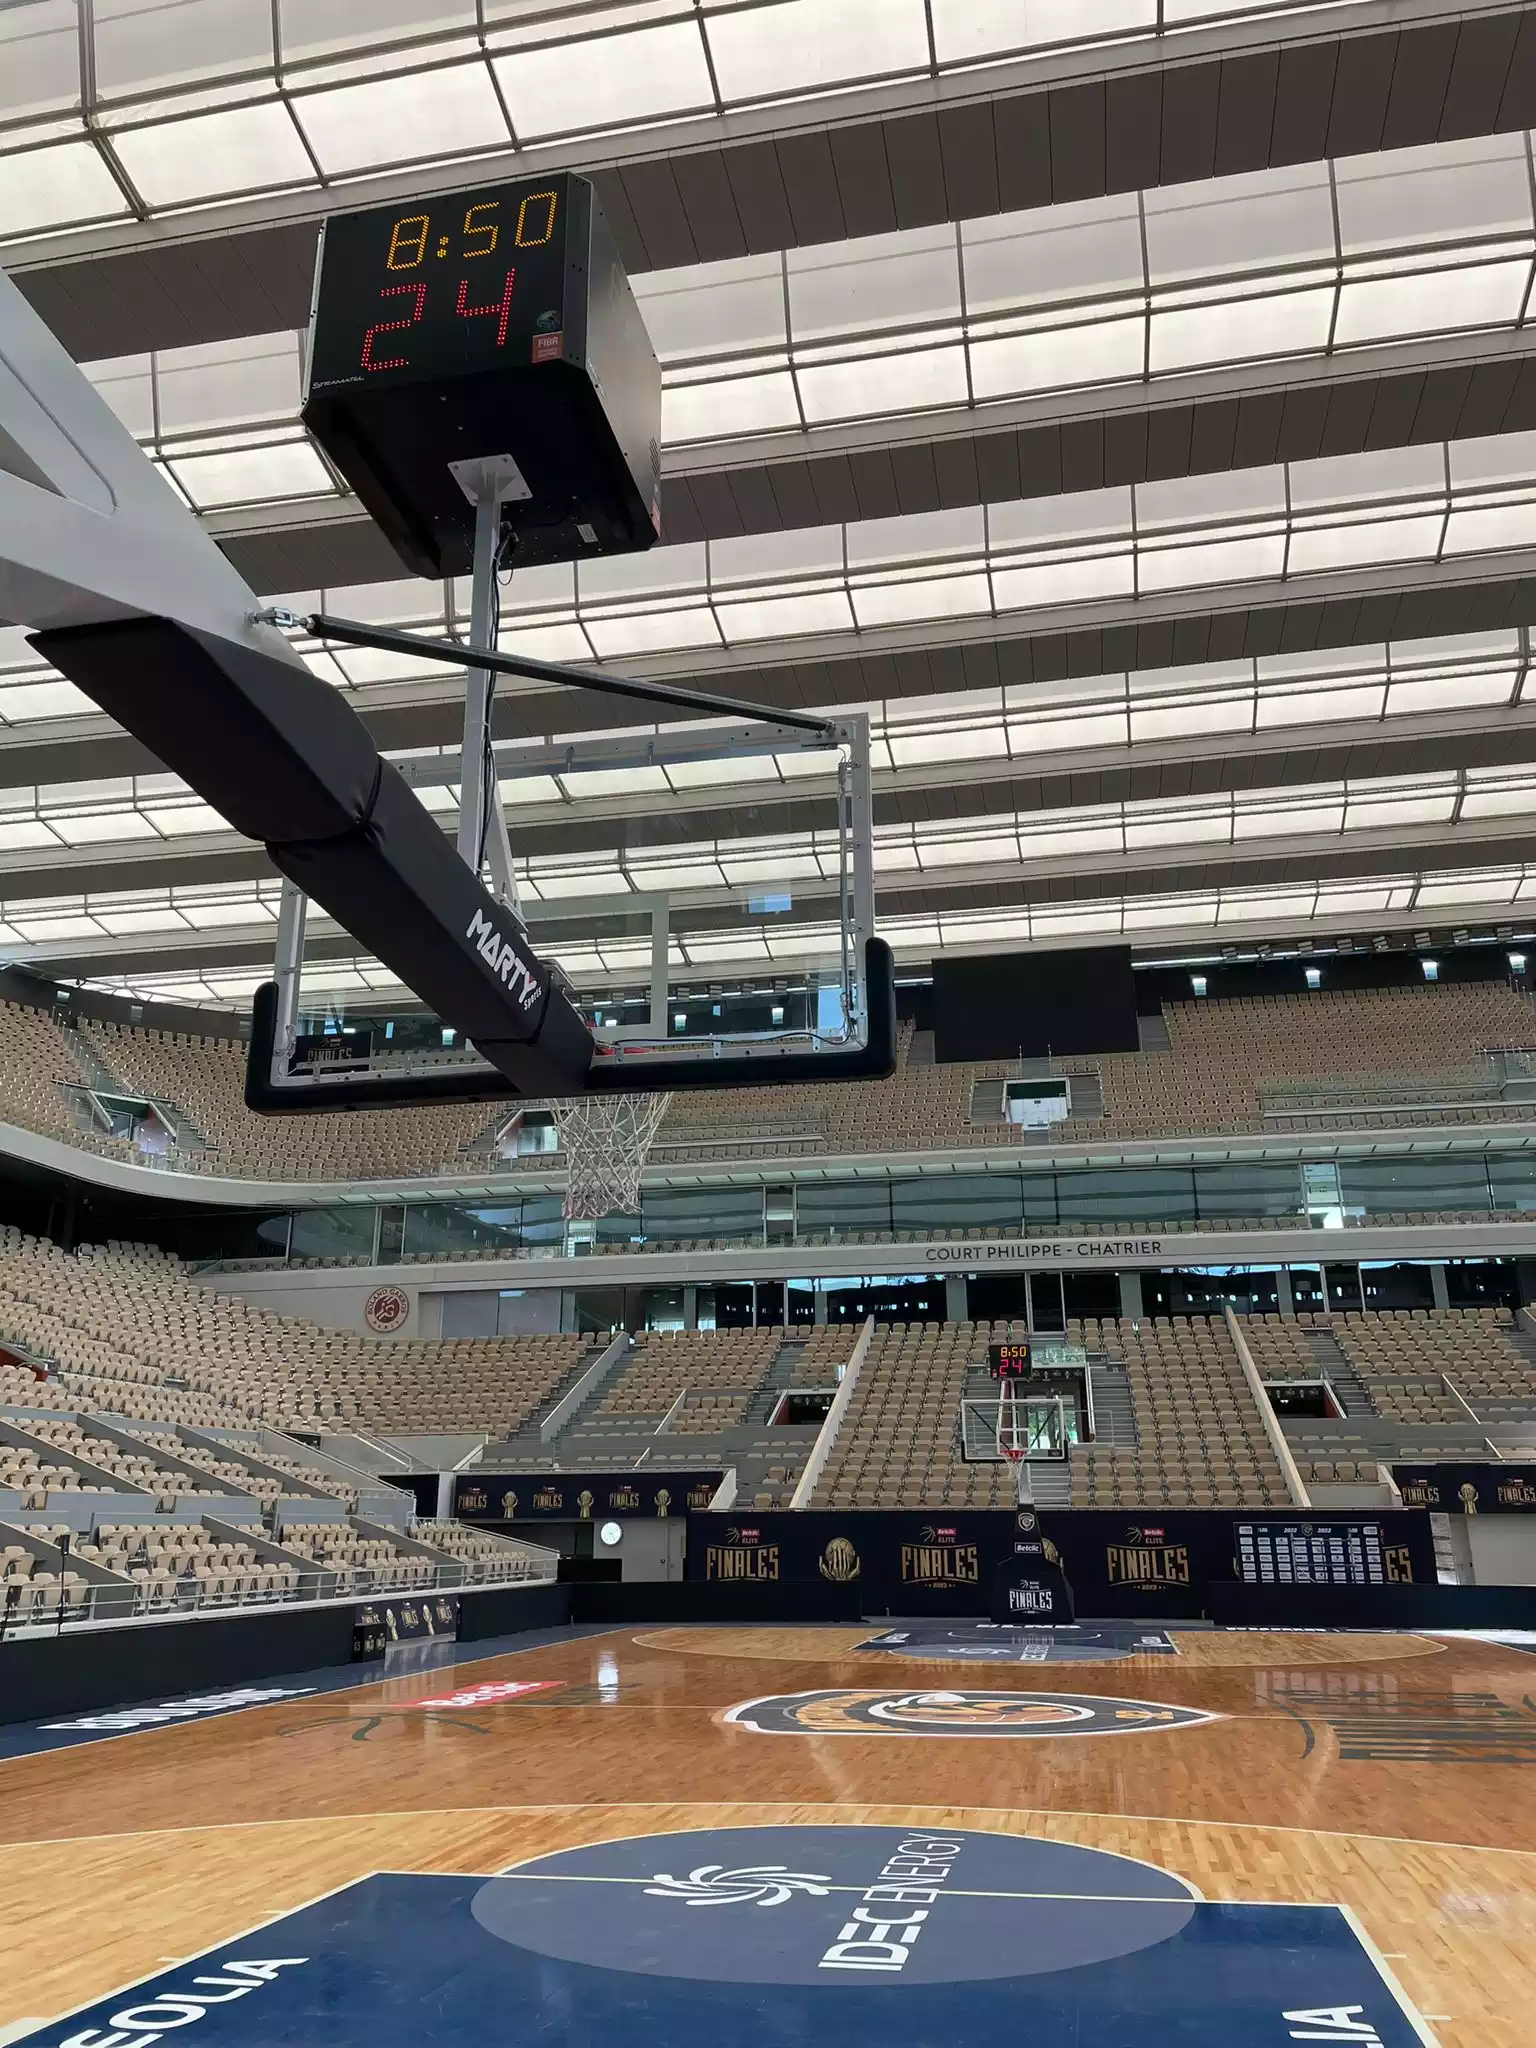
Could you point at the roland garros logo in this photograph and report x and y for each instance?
(386, 1309)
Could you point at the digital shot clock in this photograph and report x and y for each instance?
(489, 325)
(1009, 1361)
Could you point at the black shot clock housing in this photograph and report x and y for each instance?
(492, 324)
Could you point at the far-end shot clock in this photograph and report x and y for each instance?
(492, 324)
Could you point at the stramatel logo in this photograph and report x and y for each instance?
(503, 959)
(850, 1712)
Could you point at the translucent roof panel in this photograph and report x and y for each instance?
(800, 46)
(410, 118)
(147, 44)
(239, 149)
(39, 59)
(607, 82)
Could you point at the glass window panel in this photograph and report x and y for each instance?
(1314, 548)
(249, 476)
(127, 384)
(396, 120)
(1179, 717)
(1475, 529)
(1242, 223)
(228, 383)
(778, 618)
(333, 1233)
(883, 281)
(1045, 735)
(55, 187)
(1428, 302)
(836, 1207)
(917, 537)
(39, 59)
(965, 30)
(1446, 192)
(1512, 800)
(911, 382)
(765, 557)
(1062, 582)
(1255, 1188)
(1154, 1194)
(1444, 693)
(801, 44)
(1270, 820)
(1058, 358)
(932, 597)
(607, 81)
(1188, 501)
(1513, 1179)
(653, 632)
(242, 149)
(1089, 248)
(1242, 559)
(1241, 330)
(144, 44)
(1318, 707)
(734, 405)
(1055, 520)
(316, 28)
(1380, 473)
(1488, 459)
(714, 308)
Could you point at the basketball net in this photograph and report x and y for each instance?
(606, 1140)
(1009, 1443)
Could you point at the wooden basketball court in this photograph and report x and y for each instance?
(1393, 1776)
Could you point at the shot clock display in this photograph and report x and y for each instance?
(492, 323)
(1010, 1361)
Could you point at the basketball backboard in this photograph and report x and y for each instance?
(704, 891)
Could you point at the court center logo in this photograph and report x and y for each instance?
(1048, 1714)
(833, 1907)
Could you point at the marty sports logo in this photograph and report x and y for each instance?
(1049, 1714)
(872, 1937)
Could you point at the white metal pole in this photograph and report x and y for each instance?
(473, 794)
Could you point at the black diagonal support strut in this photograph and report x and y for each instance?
(355, 634)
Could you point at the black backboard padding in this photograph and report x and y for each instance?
(275, 750)
(288, 763)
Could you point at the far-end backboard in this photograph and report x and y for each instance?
(705, 893)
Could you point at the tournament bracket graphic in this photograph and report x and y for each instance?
(846, 1711)
(863, 1937)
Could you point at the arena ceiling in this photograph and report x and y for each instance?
(1132, 403)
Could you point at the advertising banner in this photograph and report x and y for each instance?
(1468, 1489)
(402, 1620)
(580, 1496)
(1116, 1562)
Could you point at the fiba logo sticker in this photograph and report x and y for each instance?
(835, 1907)
(1039, 1714)
(387, 1309)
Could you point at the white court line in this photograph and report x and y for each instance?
(577, 1807)
(296, 1698)
(213, 1949)
(1389, 1977)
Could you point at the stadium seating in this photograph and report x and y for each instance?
(717, 1371)
(125, 1323)
(1304, 1062)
